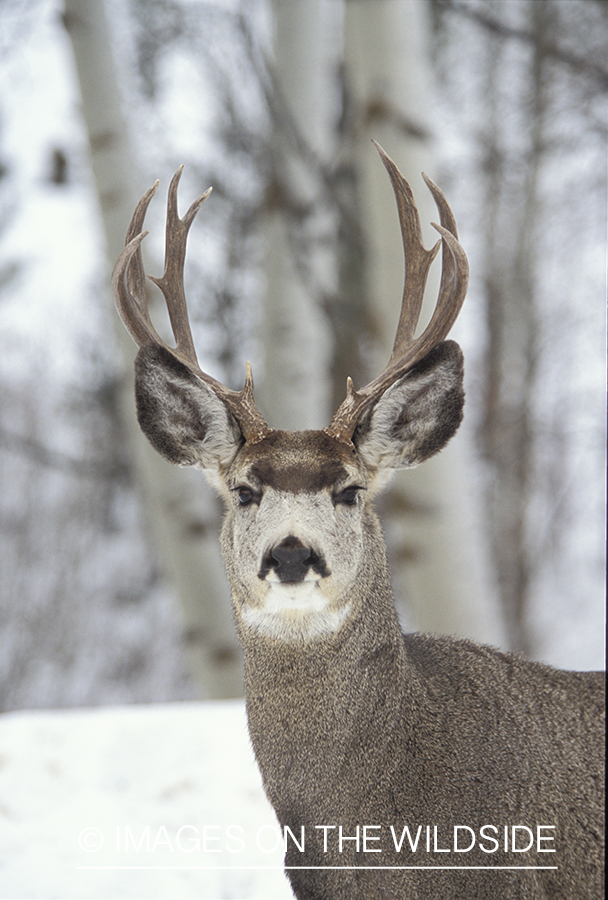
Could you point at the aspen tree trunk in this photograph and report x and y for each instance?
(181, 511)
(430, 515)
(295, 388)
(513, 220)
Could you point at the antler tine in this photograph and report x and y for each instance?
(407, 350)
(454, 277)
(128, 287)
(129, 280)
(418, 260)
(172, 281)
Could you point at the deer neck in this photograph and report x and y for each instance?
(308, 704)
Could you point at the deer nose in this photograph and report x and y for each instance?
(292, 561)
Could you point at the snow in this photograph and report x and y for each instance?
(158, 801)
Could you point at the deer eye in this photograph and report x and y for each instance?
(347, 496)
(245, 496)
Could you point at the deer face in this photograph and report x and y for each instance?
(299, 533)
(293, 538)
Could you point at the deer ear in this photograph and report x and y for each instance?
(417, 415)
(180, 415)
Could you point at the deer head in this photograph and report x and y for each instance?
(300, 539)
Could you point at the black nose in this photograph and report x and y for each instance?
(291, 560)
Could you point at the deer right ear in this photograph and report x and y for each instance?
(184, 420)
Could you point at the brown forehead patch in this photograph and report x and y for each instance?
(299, 461)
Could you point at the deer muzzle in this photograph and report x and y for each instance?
(292, 562)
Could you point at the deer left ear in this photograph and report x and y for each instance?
(417, 416)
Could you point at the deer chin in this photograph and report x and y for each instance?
(295, 612)
(301, 596)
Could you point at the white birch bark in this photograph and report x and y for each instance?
(294, 387)
(180, 509)
(444, 578)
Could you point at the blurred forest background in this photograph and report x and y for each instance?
(111, 586)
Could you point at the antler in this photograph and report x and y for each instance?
(129, 289)
(407, 350)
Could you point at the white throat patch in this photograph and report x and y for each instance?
(294, 612)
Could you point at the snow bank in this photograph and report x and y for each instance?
(160, 801)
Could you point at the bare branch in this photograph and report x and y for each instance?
(579, 64)
(55, 459)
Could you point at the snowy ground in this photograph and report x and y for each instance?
(159, 801)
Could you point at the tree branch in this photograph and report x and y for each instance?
(53, 459)
(577, 63)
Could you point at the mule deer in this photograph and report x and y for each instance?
(399, 766)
